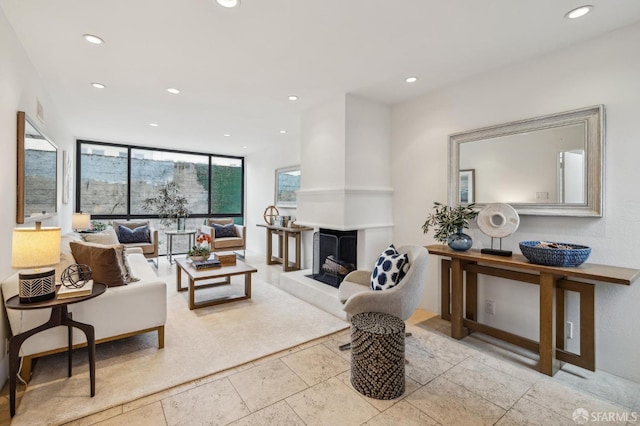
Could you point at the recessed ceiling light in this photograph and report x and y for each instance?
(244, 147)
(93, 39)
(228, 3)
(153, 124)
(293, 98)
(411, 79)
(173, 91)
(283, 131)
(98, 85)
(227, 135)
(578, 12)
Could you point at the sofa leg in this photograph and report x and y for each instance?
(25, 370)
(161, 337)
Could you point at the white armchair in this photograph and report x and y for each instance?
(400, 301)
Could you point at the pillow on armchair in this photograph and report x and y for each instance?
(136, 235)
(224, 231)
(390, 268)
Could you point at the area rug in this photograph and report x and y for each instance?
(197, 343)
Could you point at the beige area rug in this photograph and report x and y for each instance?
(197, 343)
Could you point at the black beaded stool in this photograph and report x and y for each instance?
(377, 355)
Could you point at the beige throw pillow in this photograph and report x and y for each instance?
(108, 236)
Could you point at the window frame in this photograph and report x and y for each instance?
(129, 148)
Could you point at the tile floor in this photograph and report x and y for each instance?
(447, 383)
(476, 381)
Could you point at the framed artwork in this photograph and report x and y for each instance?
(466, 185)
(287, 183)
(66, 177)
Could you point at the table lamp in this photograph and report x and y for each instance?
(33, 248)
(80, 221)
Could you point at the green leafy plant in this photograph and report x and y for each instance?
(170, 203)
(96, 225)
(446, 220)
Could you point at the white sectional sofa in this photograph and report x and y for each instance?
(123, 311)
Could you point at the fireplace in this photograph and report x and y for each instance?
(334, 255)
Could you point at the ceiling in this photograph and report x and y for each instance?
(236, 67)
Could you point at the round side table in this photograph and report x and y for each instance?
(59, 316)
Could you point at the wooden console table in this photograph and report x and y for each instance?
(463, 268)
(284, 233)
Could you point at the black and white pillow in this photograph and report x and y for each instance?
(390, 268)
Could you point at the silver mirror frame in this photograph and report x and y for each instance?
(593, 120)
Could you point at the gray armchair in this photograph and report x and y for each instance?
(400, 301)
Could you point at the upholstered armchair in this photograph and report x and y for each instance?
(148, 245)
(400, 301)
(225, 235)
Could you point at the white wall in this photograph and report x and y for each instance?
(260, 170)
(19, 88)
(602, 71)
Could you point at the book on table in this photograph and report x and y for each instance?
(206, 264)
(69, 292)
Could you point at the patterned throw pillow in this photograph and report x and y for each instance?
(136, 235)
(224, 231)
(390, 268)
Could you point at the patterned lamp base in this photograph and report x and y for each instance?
(37, 286)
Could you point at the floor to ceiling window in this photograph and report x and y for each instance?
(113, 180)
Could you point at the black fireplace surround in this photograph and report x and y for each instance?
(334, 255)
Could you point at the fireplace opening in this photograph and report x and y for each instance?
(334, 255)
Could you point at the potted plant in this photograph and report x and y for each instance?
(170, 204)
(201, 250)
(448, 223)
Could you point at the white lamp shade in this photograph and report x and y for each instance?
(35, 247)
(80, 220)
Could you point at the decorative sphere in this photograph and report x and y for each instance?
(76, 276)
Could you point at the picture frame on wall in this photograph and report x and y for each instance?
(287, 182)
(466, 185)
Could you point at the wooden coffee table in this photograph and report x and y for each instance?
(223, 272)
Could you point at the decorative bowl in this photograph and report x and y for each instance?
(199, 258)
(543, 253)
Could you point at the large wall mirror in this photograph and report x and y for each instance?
(551, 165)
(37, 173)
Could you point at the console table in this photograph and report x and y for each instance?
(284, 233)
(463, 268)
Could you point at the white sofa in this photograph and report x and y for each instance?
(123, 311)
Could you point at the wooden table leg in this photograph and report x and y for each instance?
(179, 279)
(457, 329)
(297, 240)
(270, 247)
(285, 247)
(445, 289)
(548, 362)
(247, 285)
(471, 283)
(192, 294)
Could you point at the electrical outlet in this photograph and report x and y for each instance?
(490, 307)
(569, 330)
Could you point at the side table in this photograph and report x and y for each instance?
(284, 233)
(59, 317)
(170, 234)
